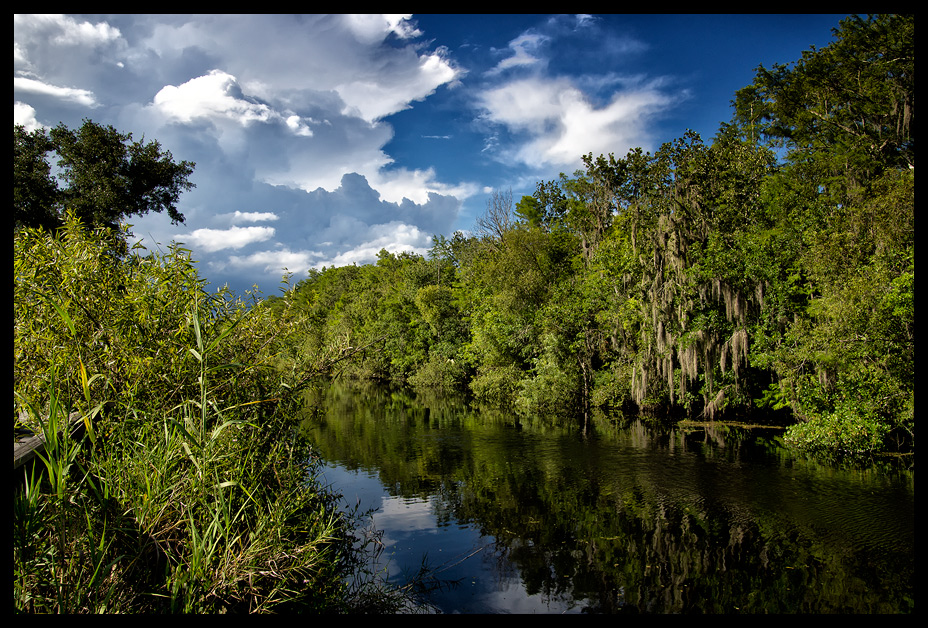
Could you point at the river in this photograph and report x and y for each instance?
(503, 515)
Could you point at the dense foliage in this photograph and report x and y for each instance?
(771, 270)
(189, 491)
(107, 177)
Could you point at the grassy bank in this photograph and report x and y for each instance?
(189, 491)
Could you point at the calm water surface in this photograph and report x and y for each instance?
(511, 516)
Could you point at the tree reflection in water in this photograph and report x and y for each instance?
(522, 516)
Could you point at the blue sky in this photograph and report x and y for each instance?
(322, 139)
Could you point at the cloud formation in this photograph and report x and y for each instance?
(558, 122)
(554, 117)
(293, 123)
(211, 240)
(32, 86)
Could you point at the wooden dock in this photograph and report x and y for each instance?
(27, 444)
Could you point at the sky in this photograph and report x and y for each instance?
(320, 140)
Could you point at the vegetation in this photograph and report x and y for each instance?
(190, 491)
(769, 271)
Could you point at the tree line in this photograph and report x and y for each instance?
(769, 270)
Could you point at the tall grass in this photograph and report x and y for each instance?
(171, 512)
(190, 490)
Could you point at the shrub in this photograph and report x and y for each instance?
(190, 492)
(498, 385)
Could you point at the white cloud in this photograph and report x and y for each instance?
(211, 96)
(371, 28)
(59, 48)
(25, 85)
(25, 115)
(288, 120)
(345, 54)
(365, 242)
(372, 97)
(416, 186)
(394, 236)
(523, 48)
(331, 88)
(254, 216)
(298, 126)
(211, 240)
(560, 123)
(271, 263)
(63, 30)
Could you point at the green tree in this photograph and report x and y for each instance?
(106, 175)
(34, 189)
(838, 325)
(850, 105)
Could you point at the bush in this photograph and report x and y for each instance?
(846, 431)
(553, 391)
(189, 493)
(498, 385)
(440, 373)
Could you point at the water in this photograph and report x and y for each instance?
(510, 516)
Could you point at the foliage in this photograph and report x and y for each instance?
(771, 269)
(188, 492)
(107, 177)
(846, 111)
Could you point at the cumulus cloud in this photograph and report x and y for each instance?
(349, 55)
(272, 264)
(25, 115)
(291, 122)
(62, 30)
(349, 224)
(330, 89)
(393, 236)
(211, 240)
(53, 49)
(25, 85)
(215, 95)
(373, 28)
(418, 186)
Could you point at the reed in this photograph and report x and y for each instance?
(162, 516)
(190, 490)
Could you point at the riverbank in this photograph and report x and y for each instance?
(188, 491)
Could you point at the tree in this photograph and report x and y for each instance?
(849, 105)
(838, 323)
(498, 218)
(34, 189)
(107, 177)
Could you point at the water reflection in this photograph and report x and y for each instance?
(532, 517)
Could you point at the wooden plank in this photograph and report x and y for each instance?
(27, 444)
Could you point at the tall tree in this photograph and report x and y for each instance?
(34, 189)
(849, 105)
(839, 320)
(106, 175)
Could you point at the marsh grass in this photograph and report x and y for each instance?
(162, 517)
(189, 490)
